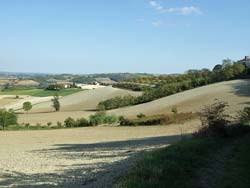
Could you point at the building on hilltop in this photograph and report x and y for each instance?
(246, 61)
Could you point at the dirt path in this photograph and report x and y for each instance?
(209, 175)
(84, 157)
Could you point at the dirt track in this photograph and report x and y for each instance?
(85, 157)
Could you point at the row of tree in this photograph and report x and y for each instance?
(172, 84)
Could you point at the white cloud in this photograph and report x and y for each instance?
(188, 10)
(157, 23)
(155, 5)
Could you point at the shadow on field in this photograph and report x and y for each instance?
(241, 89)
(100, 166)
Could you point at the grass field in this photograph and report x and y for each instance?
(194, 162)
(40, 92)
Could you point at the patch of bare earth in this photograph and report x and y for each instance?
(84, 157)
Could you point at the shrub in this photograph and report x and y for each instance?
(59, 124)
(174, 110)
(213, 119)
(82, 122)
(158, 119)
(101, 118)
(49, 124)
(69, 122)
(111, 119)
(244, 116)
(141, 115)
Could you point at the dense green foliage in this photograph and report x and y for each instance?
(117, 102)
(101, 118)
(70, 122)
(161, 86)
(27, 106)
(131, 86)
(7, 118)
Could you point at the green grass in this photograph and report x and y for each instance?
(237, 172)
(40, 92)
(179, 165)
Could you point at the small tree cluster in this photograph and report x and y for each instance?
(7, 118)
(70, 122)
(213, 118)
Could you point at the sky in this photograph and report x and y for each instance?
(101, 36)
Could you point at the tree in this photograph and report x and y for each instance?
(7, 118)
(213, 118)
(70, 122)
(239, 69)
(217, 67)
(56, 103)
(226, 63)
(27, 106)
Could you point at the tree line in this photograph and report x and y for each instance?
(171, 84)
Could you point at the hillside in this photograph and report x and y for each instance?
(236, 93)
(84, 100)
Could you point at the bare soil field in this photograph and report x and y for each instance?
(16, 104)
(85, 157)
(84, 100)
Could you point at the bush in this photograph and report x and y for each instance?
(214, 120)
(244, 116)
(158, 119)
(49, 124)
(59, 124)
(82, 122)
(101, 118)
(174, 110)
(70, 122)
(141, 115)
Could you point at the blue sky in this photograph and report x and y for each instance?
(161, 36)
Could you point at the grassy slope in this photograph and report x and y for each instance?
(179, 165)
(40, 92)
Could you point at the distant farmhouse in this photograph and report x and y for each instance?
(246, 61)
